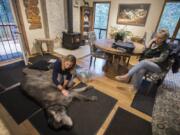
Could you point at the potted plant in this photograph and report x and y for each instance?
(119, 34)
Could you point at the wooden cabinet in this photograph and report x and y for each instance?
(87, 21)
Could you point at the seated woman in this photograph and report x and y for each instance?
(61, 75)
(154, 59)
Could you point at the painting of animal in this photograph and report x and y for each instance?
(133, 14)
(38, 85)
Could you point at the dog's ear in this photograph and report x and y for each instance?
(50, 119)
(52, 124)
(52, 112)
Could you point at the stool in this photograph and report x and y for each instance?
(49, 44)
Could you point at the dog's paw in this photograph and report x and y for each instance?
(94, 98)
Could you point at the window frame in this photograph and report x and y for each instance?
(94, 8)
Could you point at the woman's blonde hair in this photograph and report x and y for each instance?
(71, 58)
(163, 33)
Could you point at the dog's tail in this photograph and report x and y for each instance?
(82, 89)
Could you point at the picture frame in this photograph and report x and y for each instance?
(133, 14)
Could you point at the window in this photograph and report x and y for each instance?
(170, 17)
(101, 19)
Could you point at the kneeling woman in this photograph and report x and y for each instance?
(62, 76)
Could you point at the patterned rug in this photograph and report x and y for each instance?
(166, 113)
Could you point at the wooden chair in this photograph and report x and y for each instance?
(95, 53)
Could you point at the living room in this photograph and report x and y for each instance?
(122, 56)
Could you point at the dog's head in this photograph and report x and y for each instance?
(58, 118)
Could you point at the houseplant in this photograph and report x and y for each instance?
(119, 34)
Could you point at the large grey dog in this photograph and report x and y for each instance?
(38, 85)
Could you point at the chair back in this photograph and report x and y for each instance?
(91, 40)
(91, 36)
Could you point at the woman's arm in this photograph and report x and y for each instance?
(68, 78)
(57, 67)
(55, 73)
(65, 83)
(161, 58)
(150, 43)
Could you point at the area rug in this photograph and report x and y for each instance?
(19, 106)
(11, 74)
(126, 123)
(166, 112)
(144, 101)
(81, 52)
(88, 117)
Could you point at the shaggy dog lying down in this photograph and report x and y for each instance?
(38, 85)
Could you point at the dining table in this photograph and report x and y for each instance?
(117, 59)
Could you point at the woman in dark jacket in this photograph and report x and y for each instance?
(154, 59)
(62, 73)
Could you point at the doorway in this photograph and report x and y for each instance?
(101, 19)
(11, 47)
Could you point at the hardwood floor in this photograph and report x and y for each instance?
(117, 90)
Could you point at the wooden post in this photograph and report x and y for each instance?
(175, 31)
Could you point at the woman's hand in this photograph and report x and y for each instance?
(60, 87)
(65, 92)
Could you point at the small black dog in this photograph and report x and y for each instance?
(38, 85)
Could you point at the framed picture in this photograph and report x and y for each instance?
(133, 14)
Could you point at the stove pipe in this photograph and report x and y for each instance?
(70, 15)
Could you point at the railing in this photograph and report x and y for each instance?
(9, 42)
(99, 35)
(8, 32)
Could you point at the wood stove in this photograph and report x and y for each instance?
(71, 40)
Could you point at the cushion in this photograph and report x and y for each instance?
(41, 65)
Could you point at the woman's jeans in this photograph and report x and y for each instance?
(140, 69)
(61, 79)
